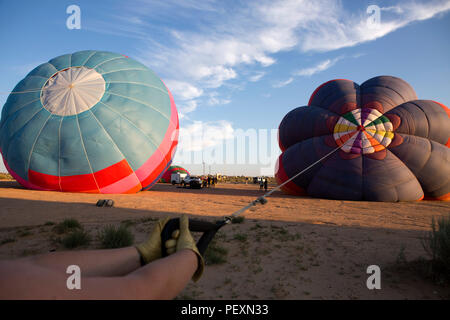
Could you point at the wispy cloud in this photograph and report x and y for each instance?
(183, 90)
(334, 33)
(209, 43)
(319, 67)
(210, 57)
(215, 100)
(395, 9)
(309, 71)
(284, 83)
(257, 76)
(188, 106)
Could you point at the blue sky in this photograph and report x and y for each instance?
(235, 65)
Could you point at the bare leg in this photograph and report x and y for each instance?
(161, 279)
(93, 263)
(164, 278)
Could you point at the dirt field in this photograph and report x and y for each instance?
(290, 248)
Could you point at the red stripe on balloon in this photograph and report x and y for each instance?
(281, 177)
(111, 174)
(445, 197)
(45, 181)
(78, 183)
(153, 167)
(447, 110)
(135, 189)
(82, 182)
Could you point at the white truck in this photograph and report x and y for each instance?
(177, 178)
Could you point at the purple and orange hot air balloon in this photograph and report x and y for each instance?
(393, 147)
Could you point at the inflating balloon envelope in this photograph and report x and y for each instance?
(166, 177)
(90, 121)
(391, 146)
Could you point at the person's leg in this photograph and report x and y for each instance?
(161, 279)
(93, 263)
(164, 278)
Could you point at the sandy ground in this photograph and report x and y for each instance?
(290, 248)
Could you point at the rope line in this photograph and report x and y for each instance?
(263, 200)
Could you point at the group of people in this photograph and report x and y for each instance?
(263, 184)
(209, 182)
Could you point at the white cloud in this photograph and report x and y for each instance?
(199, 135)
(283, 83)
(214, 99)
(189, 106)
(216, 41)
(206, 60)
(257, 76)
(183, 90)
(321, 66)
(214, 77)
(358, 55)
(161, 5)
(395, 9)
(253, 34)
(342, 30)
(317, 68)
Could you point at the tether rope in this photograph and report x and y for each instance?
(263, 200)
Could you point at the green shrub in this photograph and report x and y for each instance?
(67, 225)
(75, 239)
(128, 223)
(215, 254)
(7, 240)
(24, 233)
(115, 237)
(437, 244)
(240, 237)
(237, 219)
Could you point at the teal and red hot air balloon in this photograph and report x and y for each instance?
(393, 147)
(91, 121)
(166, 177)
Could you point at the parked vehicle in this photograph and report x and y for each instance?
(177, 178)
(192, 182)
(257, 180)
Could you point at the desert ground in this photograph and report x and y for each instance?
(290, 248)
